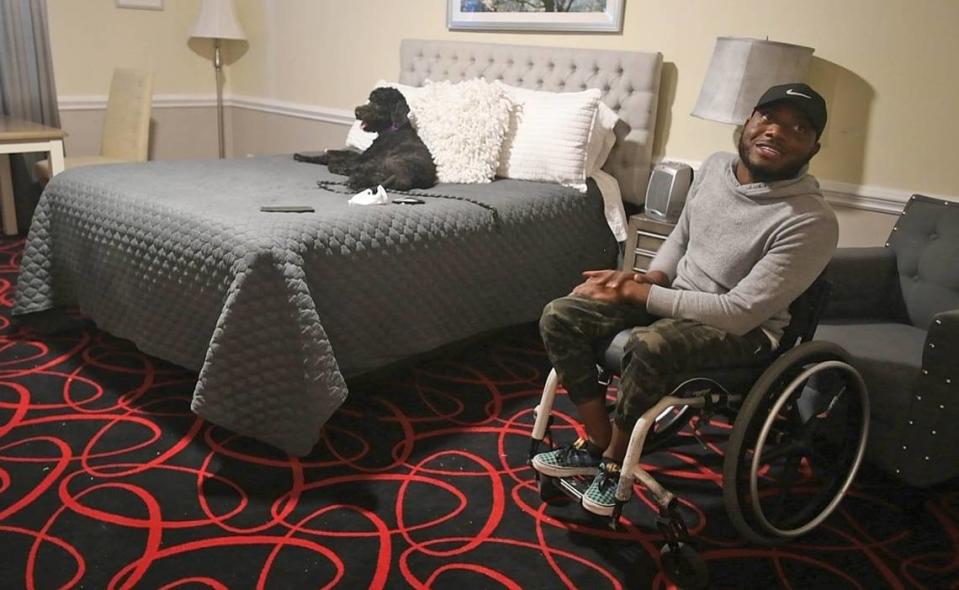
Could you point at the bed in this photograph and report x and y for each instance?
(276, 311)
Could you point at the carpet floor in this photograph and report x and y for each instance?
(107, 480)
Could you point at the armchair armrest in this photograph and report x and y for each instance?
(942, 346)
(865, 285)
(930, 445)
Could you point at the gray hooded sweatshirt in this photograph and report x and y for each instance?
(741, 253)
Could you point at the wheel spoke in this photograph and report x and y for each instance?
(822, 461)
(812, 426)
(785, 486)
(791, 449)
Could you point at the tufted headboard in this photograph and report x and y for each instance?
(629, 81)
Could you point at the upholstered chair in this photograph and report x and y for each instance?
(896, 310)
(126, 124)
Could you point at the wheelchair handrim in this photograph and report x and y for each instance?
(764, 433)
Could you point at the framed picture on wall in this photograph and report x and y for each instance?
(537, 15)
(142, 4)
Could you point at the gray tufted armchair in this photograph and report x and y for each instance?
(896, 310)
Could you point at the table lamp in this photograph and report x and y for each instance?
(741, 70)
(217, 21)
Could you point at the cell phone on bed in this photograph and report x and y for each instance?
(408, 201)
(287, 209)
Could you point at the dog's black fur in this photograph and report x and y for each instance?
(398, 159)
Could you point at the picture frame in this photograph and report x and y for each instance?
(476, 15)
(141, 4)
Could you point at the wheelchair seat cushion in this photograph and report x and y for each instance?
(611, 352)
(889, 357)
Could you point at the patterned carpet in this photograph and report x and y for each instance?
(107, 480)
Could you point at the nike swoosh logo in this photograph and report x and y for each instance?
(792, 92)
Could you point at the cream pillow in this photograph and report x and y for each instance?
(548, 136)
(602, 137)
(463, 125)
(360, 140)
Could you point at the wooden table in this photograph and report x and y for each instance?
(18, 136)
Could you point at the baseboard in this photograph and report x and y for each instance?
(264, 105)
(160, 101)
(867, 198)
(854, 196)
(292, 109)
(842, 194)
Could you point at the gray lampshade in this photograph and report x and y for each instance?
(741, 70)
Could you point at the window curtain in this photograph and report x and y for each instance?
(27, 89)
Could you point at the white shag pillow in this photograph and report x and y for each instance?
(360, 140)
(463, 125)
(548, 136)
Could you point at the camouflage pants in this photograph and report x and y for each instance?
(657, 352)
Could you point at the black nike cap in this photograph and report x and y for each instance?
(803, 98)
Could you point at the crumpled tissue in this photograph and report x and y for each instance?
(368, 197)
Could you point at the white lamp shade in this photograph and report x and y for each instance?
(742, 70)
(217, 20)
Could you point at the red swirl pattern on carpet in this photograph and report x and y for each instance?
(107, 480)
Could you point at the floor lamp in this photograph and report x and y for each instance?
(217, 21)
(741, 70)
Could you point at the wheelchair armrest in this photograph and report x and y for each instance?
(865, 285)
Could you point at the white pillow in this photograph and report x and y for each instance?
(360, 140)
(549, 135)
(463, 125)
(601, 138)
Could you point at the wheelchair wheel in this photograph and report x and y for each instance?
(796, 444)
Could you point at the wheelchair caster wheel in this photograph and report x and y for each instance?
(684, 567)
(550, 493)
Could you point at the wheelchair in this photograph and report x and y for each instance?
(797, 441)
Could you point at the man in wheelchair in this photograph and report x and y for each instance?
(754, 235)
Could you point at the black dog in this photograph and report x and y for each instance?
(398, 159)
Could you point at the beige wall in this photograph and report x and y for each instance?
(885, 66)
(89, 38)
(257, 133)
(175, 133)
(863, 228)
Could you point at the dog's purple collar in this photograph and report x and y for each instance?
(395, 127)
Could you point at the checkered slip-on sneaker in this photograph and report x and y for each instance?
(600, 496)
(574, 459)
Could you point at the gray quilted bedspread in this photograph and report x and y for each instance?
(274, 310)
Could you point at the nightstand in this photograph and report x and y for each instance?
(644, 237)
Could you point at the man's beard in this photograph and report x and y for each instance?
(762, 175)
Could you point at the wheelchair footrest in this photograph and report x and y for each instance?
(574, 487)
(558, 491)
